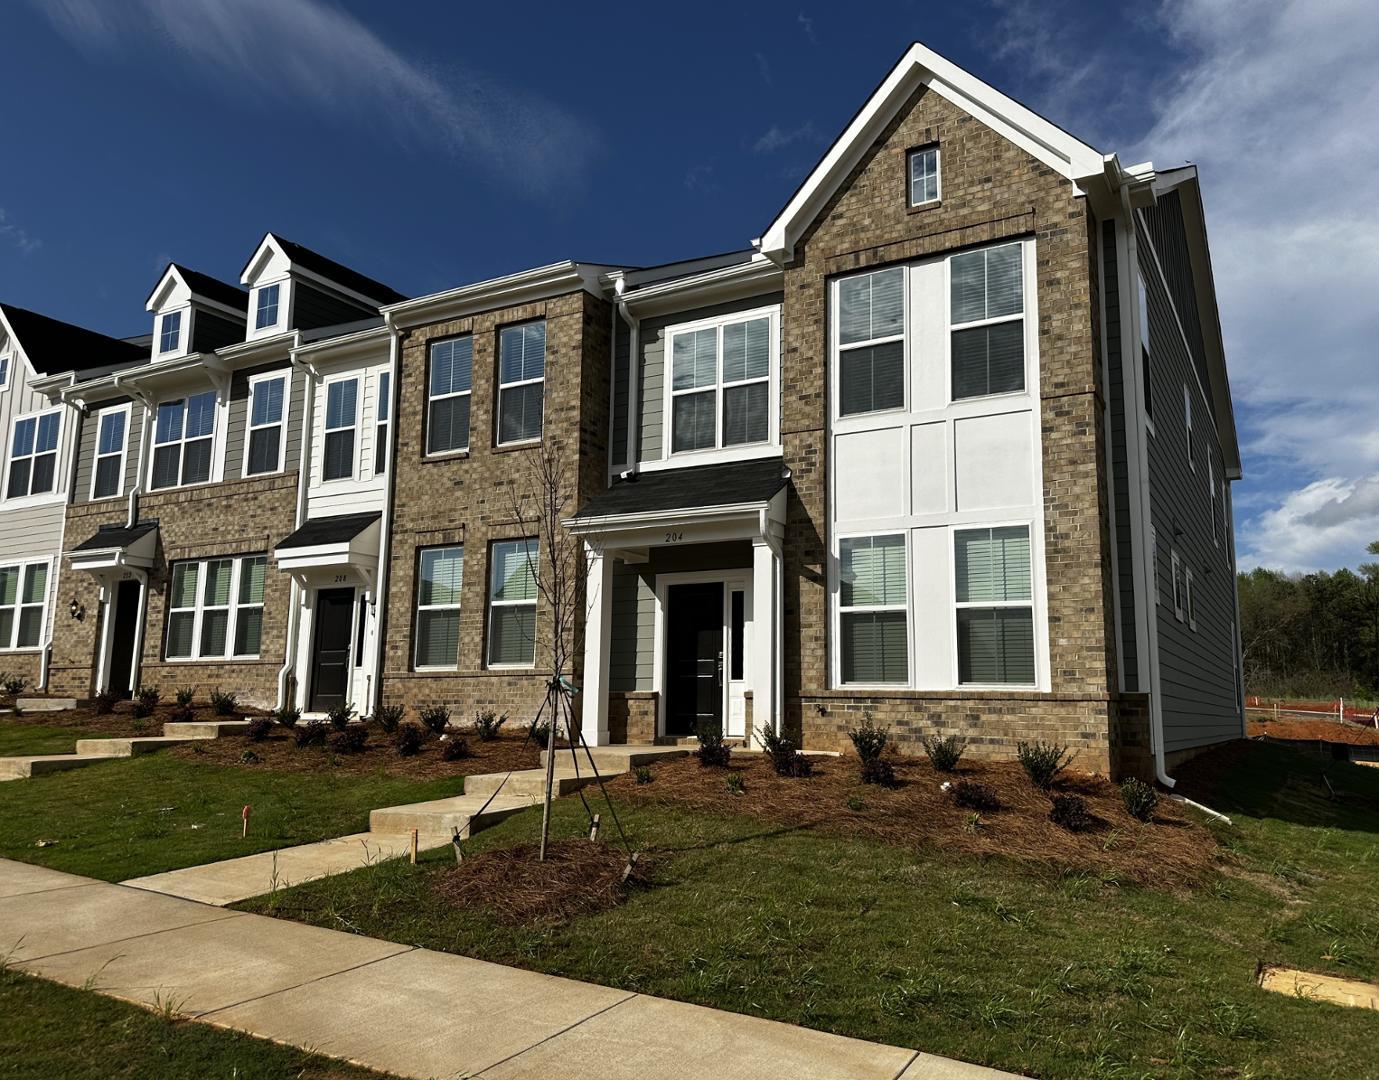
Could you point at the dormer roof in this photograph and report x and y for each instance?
(200, 286)
(319, 266)
(53, 346)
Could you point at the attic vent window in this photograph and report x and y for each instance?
(266, 314)
(923, 174)
(170, 332)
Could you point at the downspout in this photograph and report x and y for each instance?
(132, 519)
(303, 475)
(634, 364)
(385, 525)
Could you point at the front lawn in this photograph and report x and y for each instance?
(23, 739)
(1031, 966)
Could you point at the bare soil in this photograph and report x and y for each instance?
(1314, 730)
(916, 812)
(118, 724)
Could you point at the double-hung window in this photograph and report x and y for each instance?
(4, 370)
(266, 311)
(169, 332)
(721, 405)
(342, 416)
(267, 425)
(1146, 367)
(512, 604)
(923, 175)
(382, 409)
(1179, 586)
(872, 606)
(33, 455)
(448, 392)
(521, 381)
(871, 342)
(23, 601)
(995, 606)
(215, 608)
(986, 321)
(107, 478)
(182, 440)
(439, 577)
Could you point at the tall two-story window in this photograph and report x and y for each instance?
(995, 606)
(382, 410)
(182, 440)
(521, 381)
(871, 342)
(267, 425)
(170, 332)
(439, 577)
(342, 416)
(872, 607)
(986, 322)
(215, 608)
(107, 478)
(33, 455)
(1146, 366)
(266, 312)
(923, 175)
(720, 384)
(512, 604)
(23, 600)
(448, 391)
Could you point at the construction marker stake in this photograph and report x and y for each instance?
(455, 841)
(631, 865)
(414, 847)
(594, 828)
(245, 815)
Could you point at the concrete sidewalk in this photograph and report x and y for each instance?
(408, 1011)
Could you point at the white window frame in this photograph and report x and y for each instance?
(1225, 518)
(1023, 316)
(1187, 427)
(128, 411)
(18, 607)
(259, 292)
(1176, 566)
(382, 418)
(200, 607)
(31, 496)
(837, 348)
(162, 350)
(182, 440)
(1211, 489)
(516, 384)
(494, 604)
(7, 362)
(839, 610)
(430, 398)
(719, 452)
(910, 156)
(1190, 608)
(1146, 357)
(327, 430)
(1032, 603)
(250, 427)
(457, 607)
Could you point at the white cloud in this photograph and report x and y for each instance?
(763, 68)
(1327, 523)
(308, 53)
(18, 236)
(777, 138)
(807, 25)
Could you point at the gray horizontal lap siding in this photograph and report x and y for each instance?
(211, 331)
(238, 419)
(1197, 681)
(86, 449)
(1164, 223)
(1120, 468)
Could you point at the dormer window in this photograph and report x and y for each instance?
(170, 332)
(923, 175)
(4, 371)
(266, 312)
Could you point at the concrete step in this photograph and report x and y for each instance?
(440, 816)
(145, 744)
(21, 768)
(45, 704)
(526, 782)
(612, 760)
(206, 729)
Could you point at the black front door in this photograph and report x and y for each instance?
(330, 655)
(123, 631)
(694, 661)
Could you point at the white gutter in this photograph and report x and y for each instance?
(313, 376)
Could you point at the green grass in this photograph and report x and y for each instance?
(154, 813)
(1036, 972)
(23, 740)
(48, 1030)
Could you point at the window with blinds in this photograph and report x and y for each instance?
(342, 416)
(215, 608)
(33, 455)
(986, 322)
(872, 607)
(439, 578)
(23, 602)
(521, 381)
(267, 413)
(995, 609)
(512, 604)
(448, 391)
(107, 478)
(183, 437)
(871, 342)
(720, 384)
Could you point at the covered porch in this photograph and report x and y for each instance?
(683, 603)
(119, 558)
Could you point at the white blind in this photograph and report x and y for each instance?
(993, 565)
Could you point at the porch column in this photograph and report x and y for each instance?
(765, 617)
(598, 634)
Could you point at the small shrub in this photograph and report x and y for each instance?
(388, 717)
(349, 739)
(945, 753)
(185, 696)
(435, 718)
(339, 716)
(1070, 812)
(249, 758)
(409, 739)
(258, 728)
(856, 804)
(878, 771)
(224, 704)
(539, 732)
(642, 774)
(487, 723)
(145, 701)
(869, 740)
(974, 795)
(313, 733)
(182, 714)
(712, 752)
(973, 824)
(139, 724)
(456, 750)
(1043, 762)
(288, 716)
(785, 756)
(12, 685)
(735, 784)
(1140, 799)
(104, 702)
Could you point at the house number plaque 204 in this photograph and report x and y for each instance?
(675, 537)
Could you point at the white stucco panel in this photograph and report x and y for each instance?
(995, 461)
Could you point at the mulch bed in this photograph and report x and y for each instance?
(916, 813)
(577, 878)
(119, 724)
(1315, 730)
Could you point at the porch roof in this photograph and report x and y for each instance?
(114, 537)
(699, 487)
(340, 529)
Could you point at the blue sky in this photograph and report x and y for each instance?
(432, 143)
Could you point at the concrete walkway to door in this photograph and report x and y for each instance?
(408, 1011)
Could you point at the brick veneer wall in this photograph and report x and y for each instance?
(468, 498)
(244, 517)
(632, 716)
(991, 190)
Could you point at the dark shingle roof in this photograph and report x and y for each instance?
(53, 346)
(330, 530)
(210, 288)
(116, 536)
(338, 272)
(731, 484)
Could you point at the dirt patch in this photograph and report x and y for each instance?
(280, 753)
(917, 813)
(86, 723)
(577, 878)
(1315, 731)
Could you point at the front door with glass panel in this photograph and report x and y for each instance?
(694, 657)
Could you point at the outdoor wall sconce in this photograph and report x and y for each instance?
(76, 610)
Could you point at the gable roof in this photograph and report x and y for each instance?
(203, 286)
(920, 65)
(53, 346)
(735, 483)
(337, 272)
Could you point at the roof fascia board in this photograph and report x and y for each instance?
(540, 283)
(728, 513)
(345, 347)
(715, 286)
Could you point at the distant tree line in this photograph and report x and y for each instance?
(1311, 635)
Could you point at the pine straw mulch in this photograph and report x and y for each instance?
(1315, 731)
(577, 878)
(119, 724)
(280, 753)
(1170, 852)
